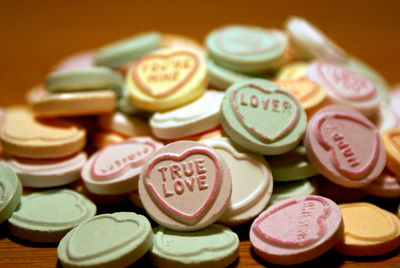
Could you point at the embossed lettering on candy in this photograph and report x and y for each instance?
(161, 75)
(349, 155)
(171, 178)
(114, 158)
(296, 230)
(346, 83)
(277, 108)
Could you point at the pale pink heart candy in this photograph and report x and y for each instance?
(343, 86)
(76, 61)
(115, 169)
(185, 186)
(296, 230)
(344, 146)
(387, 185)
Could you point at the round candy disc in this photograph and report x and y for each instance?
(296, 230)
(387, 185)
(193, 118)
(214, 246)
(166, 79)
(185, 186)
(246, 48)
(308, 42)
(127, 50)
(249, 196)
(391, 138)
(48, 215)
(115, 169)
(42, 173)
(10, 192)
(368, 230)
(107, 240)
(23, 135)
(262, 117)
(344, 86)
(344, 146)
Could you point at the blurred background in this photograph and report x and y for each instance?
(35, 35)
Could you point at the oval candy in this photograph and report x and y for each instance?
(391, 139)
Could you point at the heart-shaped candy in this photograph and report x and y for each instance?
(171, 178)
(277, 108)
(160, 75)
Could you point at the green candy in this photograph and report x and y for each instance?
(215, 246)
(286, 190)
(246, 49)
(48, 215)
(361, 67)
(107, 240)
(127, 50)
(84, 79)
(10, 192)
(263, 118)
(222, 77)
(291, 166)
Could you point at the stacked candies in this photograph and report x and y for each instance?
(249, 128)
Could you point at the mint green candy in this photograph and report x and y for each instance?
(84, 79)
(381, 85)
(107, 240)
(263, 118)
(246, 49)
(286, 190)
(222, 77)
(291, 166)
(215, 246)
(10, 192)
(128, 50)
(48, 215)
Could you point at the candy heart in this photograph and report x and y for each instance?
(344, 82)
(115, 158)
(106, 233)
(252, 102)
(161, 75)
(201, 181)
(348, 153)
(246, 41)
(304, 222)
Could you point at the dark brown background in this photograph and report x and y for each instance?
(37, 34)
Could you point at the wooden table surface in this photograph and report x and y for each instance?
(37, 34)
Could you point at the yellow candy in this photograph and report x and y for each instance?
(166, 79)
(391, 139)
(294, 70)
(368, 230)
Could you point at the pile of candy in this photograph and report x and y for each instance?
(290, 115)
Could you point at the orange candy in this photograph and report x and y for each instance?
(368, 230)
(391, 139)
